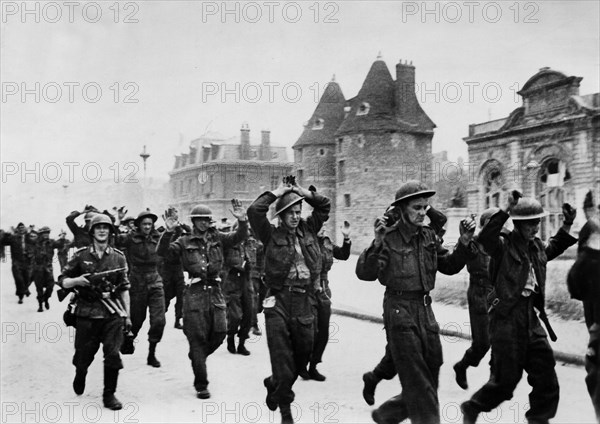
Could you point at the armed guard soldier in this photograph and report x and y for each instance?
(478, 293)
(238, 294)
(204, 310)
(405, 257)
(102, 311)
(43, 274)
(584, 284)
(20, 266)
(292, 274)
(146, 290)
(518, 340)
(329, 252)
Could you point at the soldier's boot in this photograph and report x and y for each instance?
(303, 373)
(460, 369)
(470, 413)
(242, 349)
(152, 361)
(47, 303)
(178, 324)
(111, 376)
(371, 381)
(127, 348)
(20, 299)
(271, 404)
(79, 381)
(286, 414)
(203, 394)
(256, 331)
(231, 343)
(40, 307)
(314, 374)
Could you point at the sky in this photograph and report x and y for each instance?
(85, 85)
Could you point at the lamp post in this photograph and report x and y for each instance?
(144, 155)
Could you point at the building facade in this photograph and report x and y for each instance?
(549, 148)
(359, 151)
(216, 170)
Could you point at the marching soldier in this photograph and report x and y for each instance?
(257, 273)
(21, 268)
(517, 338)
(478, 293)
(63, 252)
(43, 274)
(405, 257)
(292, 275)
(238, 294)
(584, 284)
(204, 310)
(146, 290)
(102, 311)
(329, 252)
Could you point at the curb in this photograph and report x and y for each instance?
(568, 358)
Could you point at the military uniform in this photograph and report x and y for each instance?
(204, 310)
(43, 273)
(63, 253)
(257, 273)
(406, 263)
(239, 293)
(292, 274)
(517, 338)
(146, 291)
(173, 279)
(21, 264)
(329, 252)
(584, 284)
(95, 324)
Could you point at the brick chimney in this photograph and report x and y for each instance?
(406, 98)
(245, 141)
(265, 145)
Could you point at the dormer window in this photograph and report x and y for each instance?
(363, 109)
(319, 123)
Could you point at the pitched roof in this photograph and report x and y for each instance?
(326, 119)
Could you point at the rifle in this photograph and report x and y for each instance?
(92, 278)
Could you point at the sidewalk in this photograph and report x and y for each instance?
(363, 300)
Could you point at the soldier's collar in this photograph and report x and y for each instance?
(406, 230)
(107, 251)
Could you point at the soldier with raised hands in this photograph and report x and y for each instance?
(204, 310)
(518, 341)
(102, 306)
(292, 274)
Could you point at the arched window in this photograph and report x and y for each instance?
(554, 187)
(492, 185)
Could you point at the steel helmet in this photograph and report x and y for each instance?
(145, 214)
(100, 218)
(286, 201)
(201, 211)
(486, 215)
(412, 189)
(44, 229)
(527, 208)
(127, 219)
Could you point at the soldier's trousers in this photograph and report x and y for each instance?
(480, 322)
(174, 285)
(89, 333)
(204, 325)
(290, 326)
(146, 293)
(44, 283)
(415, 347)
(385, 369)
(519, 343)
(239, 299)
(22, 276)
(259, 295)
(322, 327)
(592, 367)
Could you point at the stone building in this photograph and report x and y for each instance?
(549, 148)
(359, 151)
(217, 170)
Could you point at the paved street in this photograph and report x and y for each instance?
(37, 373)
